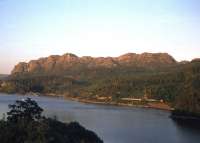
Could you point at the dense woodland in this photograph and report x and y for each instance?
(177, 84)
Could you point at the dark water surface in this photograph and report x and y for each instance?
(115, 124)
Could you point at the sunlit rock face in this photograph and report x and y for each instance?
(68, 61)
(196, 60)
(145, 59)
(20, 68)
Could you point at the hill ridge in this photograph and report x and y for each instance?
(66, 61)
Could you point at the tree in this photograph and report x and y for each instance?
(25, 124)
(27, 110)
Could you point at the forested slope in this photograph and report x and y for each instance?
(129, 75)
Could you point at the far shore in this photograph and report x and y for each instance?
(153, 105)
(160, 106)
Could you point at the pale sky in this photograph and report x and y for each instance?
(30, 29)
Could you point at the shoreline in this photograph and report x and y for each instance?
(158, 106)
(149, 106)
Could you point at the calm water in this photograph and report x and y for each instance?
(115, 124)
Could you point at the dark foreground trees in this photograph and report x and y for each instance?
(24, 123)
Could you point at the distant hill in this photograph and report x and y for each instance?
(70, 62)
(131, 75)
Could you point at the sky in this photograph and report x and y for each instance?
(30, 29)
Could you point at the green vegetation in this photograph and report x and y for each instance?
(189, 99)
(24, 123)
(177, 84)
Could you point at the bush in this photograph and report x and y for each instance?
(25, 124)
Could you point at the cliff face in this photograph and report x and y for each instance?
(70, 61)
(196, 60)
(146, 59)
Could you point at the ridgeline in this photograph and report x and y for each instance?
(130, 79)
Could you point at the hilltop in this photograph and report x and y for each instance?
(57, 64)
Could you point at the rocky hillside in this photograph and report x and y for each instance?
(66, 62)
(111, 78)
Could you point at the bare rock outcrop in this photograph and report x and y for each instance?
(70, 61)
